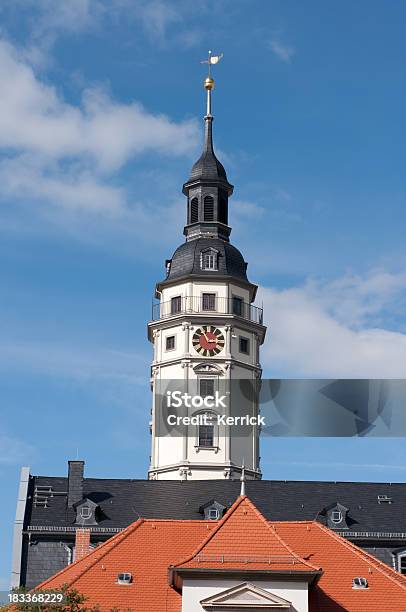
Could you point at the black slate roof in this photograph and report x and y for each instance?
(208, 167)
(186, 259)
(123, 501)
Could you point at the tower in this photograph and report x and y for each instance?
(206, 331)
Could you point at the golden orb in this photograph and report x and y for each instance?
(209, 83)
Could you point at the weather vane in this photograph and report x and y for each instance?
(209, 81)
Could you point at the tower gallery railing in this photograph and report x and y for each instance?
(207, 303)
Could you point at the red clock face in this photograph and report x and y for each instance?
(208, 341)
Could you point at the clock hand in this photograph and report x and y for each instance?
(206, 338)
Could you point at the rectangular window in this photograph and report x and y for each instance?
(170, 343)
(244, 345)
(176, 304)
(206, 436)
(209, 261)
(206, 387)
(237, 306)
(209, 301)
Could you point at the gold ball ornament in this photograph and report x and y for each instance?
(209, 83)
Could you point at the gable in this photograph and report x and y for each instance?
(245, 596)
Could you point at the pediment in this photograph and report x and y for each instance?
(208, 368)
(245, 597)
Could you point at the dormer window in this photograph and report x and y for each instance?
(214, 514)
(337, 516)
(212, 510)
(209, 259)
(402, 563)
(85, 512)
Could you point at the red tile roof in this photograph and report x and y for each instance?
(148, 548)
(341, 562)
(145, 549)
(244, 539)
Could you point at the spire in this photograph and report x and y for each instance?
(242, 479)
(207, 188)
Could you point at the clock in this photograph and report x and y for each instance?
(208, 341)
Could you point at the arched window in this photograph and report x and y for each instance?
(208, 208)
(194, 210)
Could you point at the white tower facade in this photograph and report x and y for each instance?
(206, 335)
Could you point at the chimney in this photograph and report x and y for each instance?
(82, 543)
(75, 482)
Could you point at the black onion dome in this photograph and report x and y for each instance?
(187, 259)
(208, 167)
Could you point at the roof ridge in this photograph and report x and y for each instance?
(207, 539)
(260, 516)
(104, 548)
(367, 557)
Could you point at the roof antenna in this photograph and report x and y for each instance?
(242, 479)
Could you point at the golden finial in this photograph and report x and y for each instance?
(209, 81)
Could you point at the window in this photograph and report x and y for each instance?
(208, 207)
(336, 516)
(194, 210)
(124, 578)
(170, 343)
(206, 387)
(402, 563)
(237, 306)
(176, 304)
(85, 512)
(223, 217)
(209, 301)
(206, 436)
(208, 260)
(359, 583)
(214, 514)
(244, 345)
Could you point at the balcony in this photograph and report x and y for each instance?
(206, 304)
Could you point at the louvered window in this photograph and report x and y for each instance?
(208, 208)
(223, 216)
(194, 210)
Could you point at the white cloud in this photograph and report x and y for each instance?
(60, 155)
(156, 18)
(28, 177)
(283, 51)
(34, 118)
(334, 329)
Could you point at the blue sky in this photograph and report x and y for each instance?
(100, 122)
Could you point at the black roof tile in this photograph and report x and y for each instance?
(123, 501)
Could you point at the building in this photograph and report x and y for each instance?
(206, 334)
(241, 562)
(206, 331)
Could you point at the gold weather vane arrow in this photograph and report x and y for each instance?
(209, 82)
